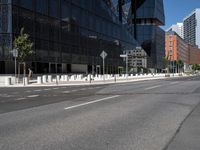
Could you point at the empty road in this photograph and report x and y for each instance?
(145, 115)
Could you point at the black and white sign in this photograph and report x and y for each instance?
(104, 54)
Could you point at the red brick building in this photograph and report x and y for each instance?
(177, 49)
(194, 55)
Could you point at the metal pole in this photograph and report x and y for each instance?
(15, 70)
(103, 69)
(126, 66)
(173, 68)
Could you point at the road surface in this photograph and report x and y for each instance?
(145, 115)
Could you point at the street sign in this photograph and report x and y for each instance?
(138, 48)
(123, 55)
(15, 53)
(103, 54)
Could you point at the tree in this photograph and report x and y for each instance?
(195, 67)
(24, 47)
(166, 64)
(180, 65)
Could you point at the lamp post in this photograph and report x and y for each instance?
(15, 55)
(125, 56)
(103, 56)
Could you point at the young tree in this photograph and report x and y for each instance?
(24, 47)
(180, 65)
(166, 64)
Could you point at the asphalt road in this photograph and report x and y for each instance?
(146, 115)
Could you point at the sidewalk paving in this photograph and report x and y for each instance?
(97, 82)
(188, 137)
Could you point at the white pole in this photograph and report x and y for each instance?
(15, 70)
(103, 69)
(126, 66)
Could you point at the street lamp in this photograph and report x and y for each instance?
(125, 56)
(15, 55)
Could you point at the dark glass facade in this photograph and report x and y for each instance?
(68, 35)
(143, 23)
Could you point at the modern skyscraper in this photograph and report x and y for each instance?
(178, 28)
(144, 19)
(192, 28)
(69, 35)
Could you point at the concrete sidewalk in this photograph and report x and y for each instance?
(188, 136)
(33, 83)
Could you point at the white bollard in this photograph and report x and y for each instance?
(73, 78)
(49, 78)
(39, 80)
(58, 78)
(25, 81)
(44, 79)
(7, 81)
(66, 78)
(62, 78)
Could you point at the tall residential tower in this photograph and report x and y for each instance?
(178, 28)
(192, 28)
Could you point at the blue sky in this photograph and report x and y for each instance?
(176, 10)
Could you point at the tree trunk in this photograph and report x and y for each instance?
(18, 72)
(24, 69)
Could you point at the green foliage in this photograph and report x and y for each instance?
(195, 67)
(24, 46)
(180, 63)
(165, 62)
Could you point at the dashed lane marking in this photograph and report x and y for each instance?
(153, 87)
(37, 90)
(32, 96)
(91, 102)
(46, 89)
(174, 82)
(74, 90)
(66, 92)
(19, 99)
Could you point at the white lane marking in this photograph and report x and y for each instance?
(174, 82)
(74, 90)
(153, 87)
(31, 96)
(37, 90)
(66, 92)
(55, 88)
(91, 102)
(27, 91)
(5, 95)
(19, 99)
(83, 89)
(46, 89)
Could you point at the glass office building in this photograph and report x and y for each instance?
(68, 35)
(144, 20)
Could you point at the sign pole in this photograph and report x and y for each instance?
(15, 70)
(15, 55)
(103, 55)
(126, 66)
(103, 68)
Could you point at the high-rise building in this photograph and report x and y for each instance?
(144, 19)
(69, 35)
(192, 28)
(178, 28)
